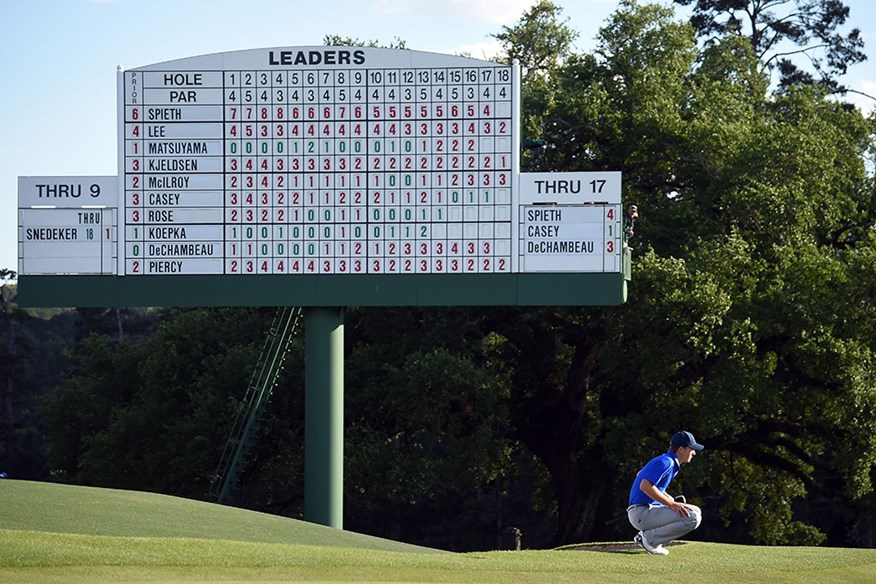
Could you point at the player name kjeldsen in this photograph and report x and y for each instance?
(173, 165)
(190, 148)
(180, 249)
(569, 247)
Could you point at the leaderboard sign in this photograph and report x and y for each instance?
(319, 161)
(325, 176)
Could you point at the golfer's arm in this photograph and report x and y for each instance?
(649, 489)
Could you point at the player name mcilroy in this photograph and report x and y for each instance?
(168, 182)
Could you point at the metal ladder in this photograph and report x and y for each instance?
(249, 412)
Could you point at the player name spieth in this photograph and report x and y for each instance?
(319, 161)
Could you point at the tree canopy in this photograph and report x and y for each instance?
(756, 210)
(781, 31)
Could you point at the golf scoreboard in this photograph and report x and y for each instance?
(327, 171)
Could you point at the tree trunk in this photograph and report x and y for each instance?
(8, 409)
(577, 504)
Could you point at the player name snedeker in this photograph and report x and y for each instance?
(559, 247)
(177, 148)
(51, 233)
(180, 249)
(173, 165)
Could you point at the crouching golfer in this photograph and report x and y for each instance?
(658, 516)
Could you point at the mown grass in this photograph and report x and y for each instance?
(53, 533)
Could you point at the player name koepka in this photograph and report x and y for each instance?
(166, 233)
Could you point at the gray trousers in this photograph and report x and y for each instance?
(661, 524)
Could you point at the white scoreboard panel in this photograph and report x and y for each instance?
(67, 225)
(570, 222)
(319, 160)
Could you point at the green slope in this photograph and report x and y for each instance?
(33, 506)
(53, 534)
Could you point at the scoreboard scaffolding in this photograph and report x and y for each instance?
(327, 176)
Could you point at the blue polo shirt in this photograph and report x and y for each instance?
(659, 471)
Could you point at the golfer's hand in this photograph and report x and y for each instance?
(680, 508)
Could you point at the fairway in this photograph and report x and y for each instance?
(54, 533)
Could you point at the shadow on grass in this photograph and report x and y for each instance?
(612, 548)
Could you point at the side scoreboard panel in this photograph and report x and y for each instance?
(319, 161)
(67, 225)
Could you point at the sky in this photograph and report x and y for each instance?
(58, 61)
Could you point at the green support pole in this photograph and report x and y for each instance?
(324, 416)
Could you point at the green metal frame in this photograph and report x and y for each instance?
(250, 410)
(548, 289)
(324, 416)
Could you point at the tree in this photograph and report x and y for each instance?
(539, 41)
(33, 355)
(756, 211)
(779, 31)
(147, 414)
(334, 40)
(426, 414)
(7, 373)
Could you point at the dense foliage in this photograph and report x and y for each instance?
(783, 34)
